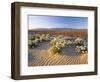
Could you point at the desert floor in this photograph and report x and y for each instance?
(41, 57)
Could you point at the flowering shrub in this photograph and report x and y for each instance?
(54, 50)
(58, 42)
(78, 41)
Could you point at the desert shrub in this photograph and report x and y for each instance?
(78, 49)
(51, 38)
(81, 45)
(69, 42)
(56, 44)
(37, 36)
(54, 50)
(53, 42)
(62, 43)
(34, 43)
(81, 49)
(78, 41)
(40, 38)
(29, 43)
(32, 37)
(43, 37)
(47, 37)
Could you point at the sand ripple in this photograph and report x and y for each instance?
(44, 58)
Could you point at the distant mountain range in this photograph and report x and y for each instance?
(56, 29)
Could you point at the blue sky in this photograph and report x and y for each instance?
(36, 21)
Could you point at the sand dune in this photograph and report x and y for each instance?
(44, 58)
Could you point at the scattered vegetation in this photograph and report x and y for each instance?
(58, 42)
(54, 50)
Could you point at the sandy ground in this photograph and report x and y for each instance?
(41, 57)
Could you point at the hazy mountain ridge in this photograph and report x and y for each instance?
(56, 29)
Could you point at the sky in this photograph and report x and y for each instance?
(39, 21)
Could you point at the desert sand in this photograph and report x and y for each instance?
(41, 57)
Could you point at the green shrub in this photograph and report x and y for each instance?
(79, 41)
(29, 43)
(53, 42)
(59, 43)
(47, 37)
(62, 43)
(81, 49)
(54, 50)
(69, 42)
